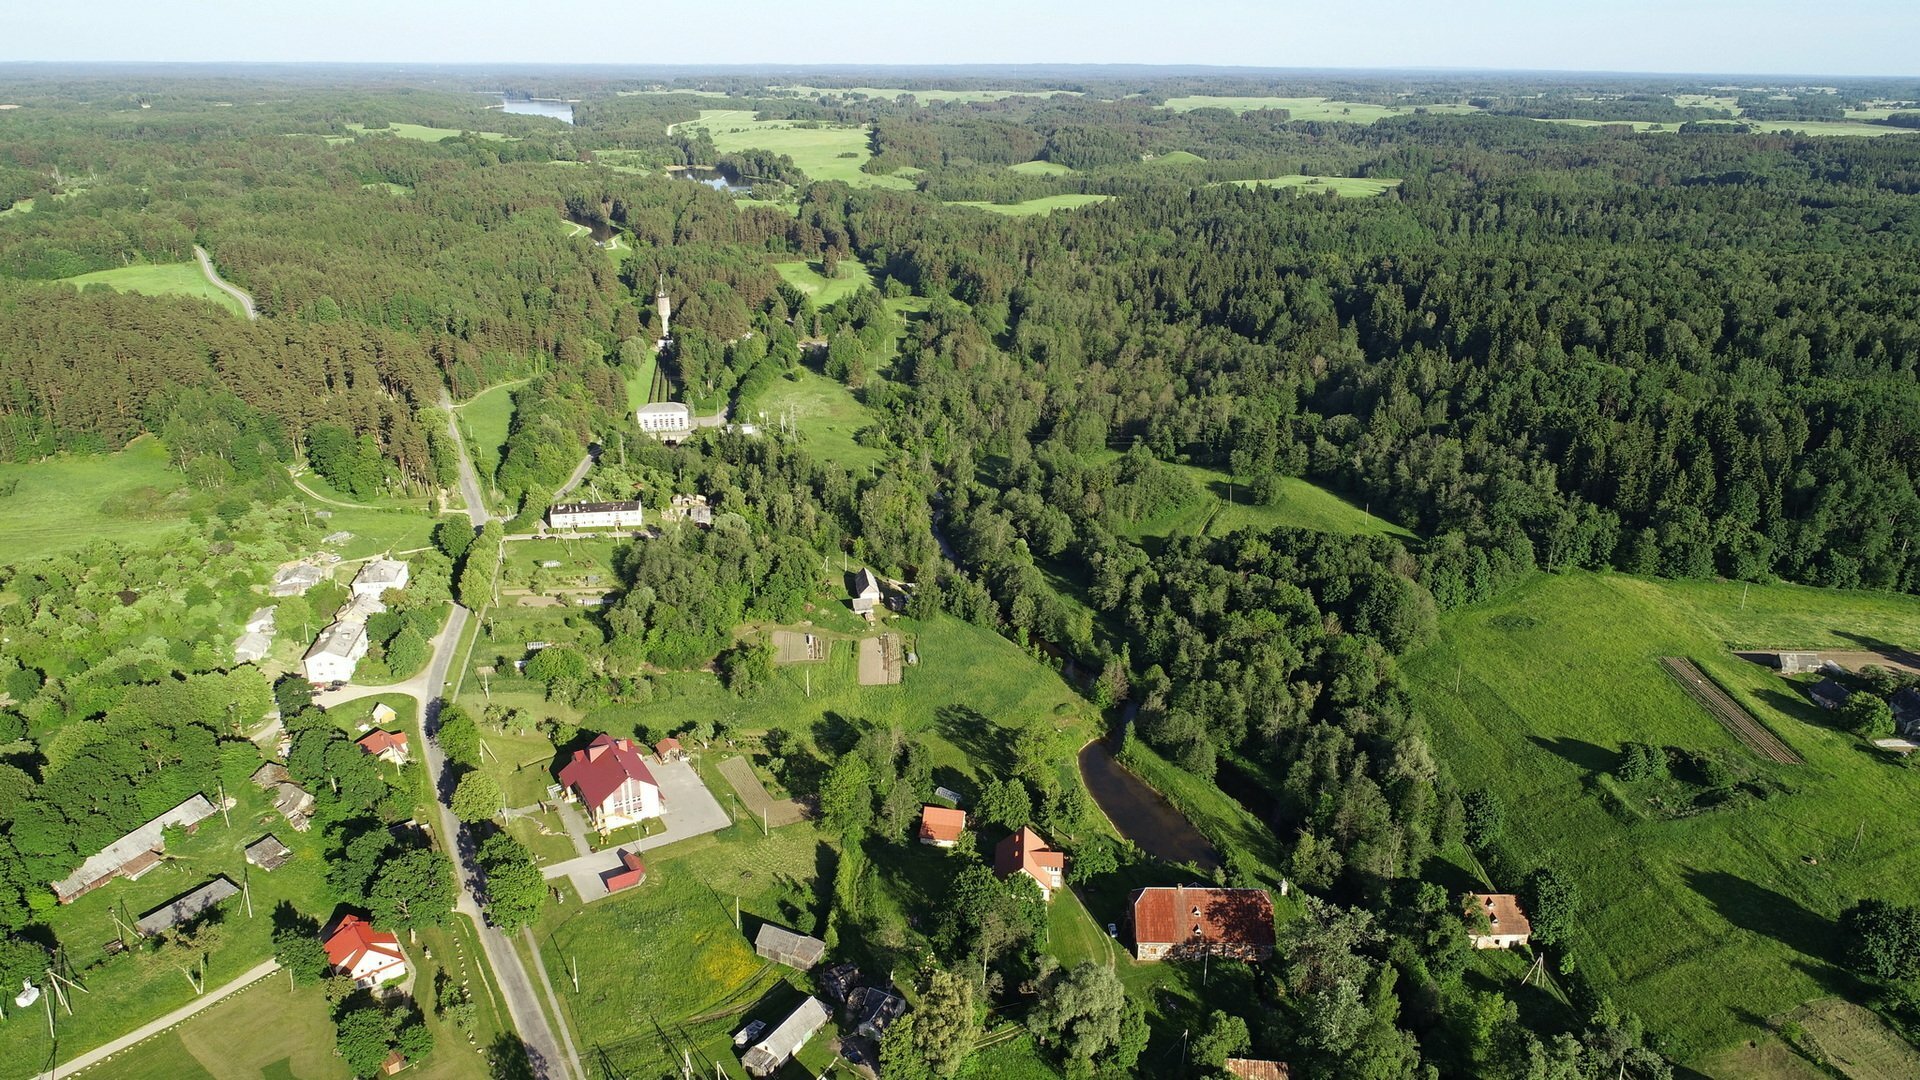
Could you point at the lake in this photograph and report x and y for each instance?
(557, 110)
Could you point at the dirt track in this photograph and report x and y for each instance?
(1728, 711)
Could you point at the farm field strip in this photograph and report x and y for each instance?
(1729, 712)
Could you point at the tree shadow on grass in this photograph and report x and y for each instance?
(970, 730)
(1760, 910)
(1589, 757)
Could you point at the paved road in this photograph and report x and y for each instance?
(148, 1031)
(225, 286)
(579, 473)
(544, 1049)
(691, 810)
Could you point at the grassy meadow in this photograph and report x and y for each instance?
(1177, 157)
(1308, 108)
(485, 419)
(66, 502)
(1705, 921)
(1830, 127)
(160, 279)
(823, 152)
(1046, 204)
(1041, 168)
(850, 277)
(925, 96)
(422, 132)
(1222, 508)
(824, 411)
(1350, 186)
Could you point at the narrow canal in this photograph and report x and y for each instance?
(1142, 814)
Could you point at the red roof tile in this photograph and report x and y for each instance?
(1025, 850)
(1221, 916)
(942, 824)
(355, 936)
(1257, 1069)
(599, 770)
(378, 741)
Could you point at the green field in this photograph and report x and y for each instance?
(1830, 127)
(1041, 168)
(421, 132)
(1046, 204)
(485, 418)
(824, 411)
(1177, 157)
(1356, 186)
(823, 153)
(1708, 101)
(1309, 108)
(20, 207)
(161, 279)
(1637, 125)
(924, 96)
(1705, 924)
(66, 502)
(1302, 505)
(391, 189)
(850, 278)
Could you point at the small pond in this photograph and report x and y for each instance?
(1142, 814)
(717, 179)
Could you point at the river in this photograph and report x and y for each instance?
(1142, 814)
(554, 110)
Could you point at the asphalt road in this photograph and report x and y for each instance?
(225, 286)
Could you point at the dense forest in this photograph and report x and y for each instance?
(1690, 353)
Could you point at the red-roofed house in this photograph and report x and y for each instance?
(1506, 924)
(613, 782)
(1024, 852)
(367, 956)
(668, 749)
(941, 826)
(389, 746)
(629, 873)
(1185, 922)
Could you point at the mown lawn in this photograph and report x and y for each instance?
(1704, 925)
(66, 502)
(1046, 204)
(160, 279)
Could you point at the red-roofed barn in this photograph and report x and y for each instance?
(613, 782)
(1185, 922)
(367, 956)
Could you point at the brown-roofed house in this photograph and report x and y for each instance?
(1025, 852)
(1507, 925)
(629, 873)
(669, 749)
(613, 782)
(1188, 921)
(388, 746)
(941, 826)
(1257, 1069)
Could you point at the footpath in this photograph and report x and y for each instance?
(148, 1031)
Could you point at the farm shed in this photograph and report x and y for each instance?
(185, 908)
(631, 871)
(786, 947)
(268, 853)
(1828, 694)
(133, 854)
(778, 1048)
(1798, 663)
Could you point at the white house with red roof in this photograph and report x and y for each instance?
(388, 746)
(612, 781)
(367, 956)
(1026, 853)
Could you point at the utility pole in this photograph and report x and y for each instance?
(227, 821)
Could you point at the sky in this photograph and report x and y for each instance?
(1828, 37)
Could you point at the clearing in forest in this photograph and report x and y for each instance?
(1046, 204)
(486, 418)
(1310, 108)
(160, 279)
(822, 151)
(850, 276)
(1357, 186)
(68, 501)
(1703, 908)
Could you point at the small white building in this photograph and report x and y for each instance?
(380, 575)
(866, 592)
(251, 648)
(335, 653)
(596, 515)
(664, 418)
(295, 579)
(261, 621)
